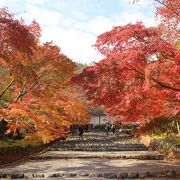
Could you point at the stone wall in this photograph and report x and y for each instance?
(11, 154)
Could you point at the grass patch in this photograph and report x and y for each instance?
(14, 150)
(175, 140)
(18, 143)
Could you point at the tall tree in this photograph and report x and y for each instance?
(139, 78)
(42, 99)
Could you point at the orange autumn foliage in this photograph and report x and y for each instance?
(40, 97)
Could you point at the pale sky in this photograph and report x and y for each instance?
(74, 25)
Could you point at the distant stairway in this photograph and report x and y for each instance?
(99, 142)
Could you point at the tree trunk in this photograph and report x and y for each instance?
(178, 127)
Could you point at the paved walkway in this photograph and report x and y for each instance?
(97, 157)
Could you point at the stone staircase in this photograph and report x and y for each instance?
(99, 145)
(97, 156)
(100, 142)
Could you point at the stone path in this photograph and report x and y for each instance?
(96, 157)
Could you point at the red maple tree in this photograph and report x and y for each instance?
(139, 78)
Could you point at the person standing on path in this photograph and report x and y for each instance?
(81, 131)
(107, 128)
(86, 127)
(113, 128)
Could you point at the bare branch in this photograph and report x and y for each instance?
(25, 91)
(166, 85)
(162, 3)
(162, 84)
(6, 88)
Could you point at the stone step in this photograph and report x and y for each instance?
(82, 154)
(99, 140)
(141, 157)
(106, 175)
(97, 144)
(101, 147)
(98, 149)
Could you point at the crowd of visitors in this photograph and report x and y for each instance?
(108, 128)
